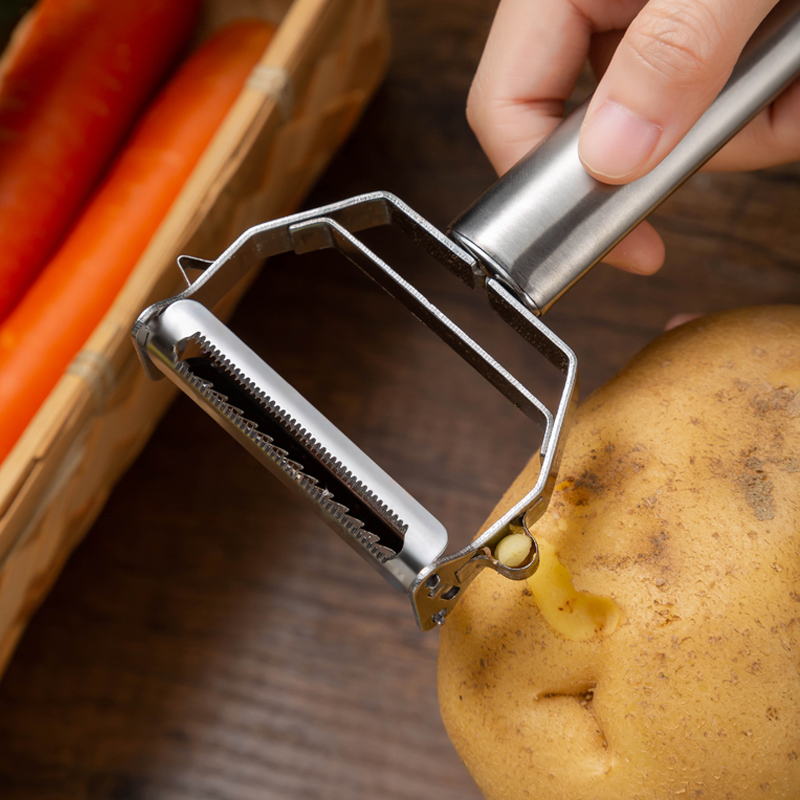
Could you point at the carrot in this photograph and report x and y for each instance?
(71, 85)
(77, 287)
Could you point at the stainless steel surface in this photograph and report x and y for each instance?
(257, 244)
(446, 577)
(329, 458)
(546, 222)
(182, 339)
(529, 238)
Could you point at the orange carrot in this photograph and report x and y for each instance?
(77, 287)
(71, 84)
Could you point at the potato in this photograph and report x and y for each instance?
(656, 652)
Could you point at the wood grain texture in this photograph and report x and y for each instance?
(210, 638)
(94, 423)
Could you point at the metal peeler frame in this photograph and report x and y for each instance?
(433, 584)
(542, 226)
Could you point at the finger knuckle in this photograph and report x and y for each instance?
(679, 40)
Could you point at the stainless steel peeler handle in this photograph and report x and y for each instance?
(547, 222)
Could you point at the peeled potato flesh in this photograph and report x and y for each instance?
(656, 652)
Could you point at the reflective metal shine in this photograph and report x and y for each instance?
(182, 339)
(547, 222)
(526, 240)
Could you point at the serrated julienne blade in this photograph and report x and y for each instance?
(293, 450)
(295, 442)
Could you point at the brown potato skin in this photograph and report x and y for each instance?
(680, 500)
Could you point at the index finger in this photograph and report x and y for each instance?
(532, 59)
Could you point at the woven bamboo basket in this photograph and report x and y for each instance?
(305, 95)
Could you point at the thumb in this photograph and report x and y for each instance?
(670, 65)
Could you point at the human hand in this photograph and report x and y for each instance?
(657, 80)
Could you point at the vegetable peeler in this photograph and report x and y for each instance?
(525, 241)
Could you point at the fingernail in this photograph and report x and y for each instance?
(616, 142)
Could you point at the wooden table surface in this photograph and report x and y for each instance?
(210, 638)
